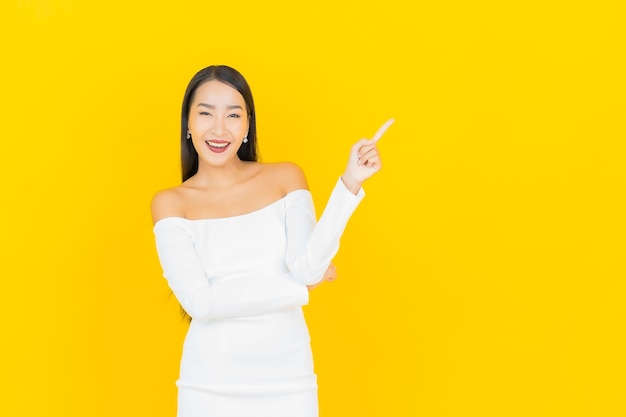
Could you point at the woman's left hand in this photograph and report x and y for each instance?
(364, 160)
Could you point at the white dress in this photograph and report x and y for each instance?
(243, 281)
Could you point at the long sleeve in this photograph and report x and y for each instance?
(204, 299)
(310, 246)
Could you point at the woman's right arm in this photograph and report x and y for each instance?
(202, 298)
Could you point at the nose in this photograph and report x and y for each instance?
(218, 126)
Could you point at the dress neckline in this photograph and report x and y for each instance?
(237, 216)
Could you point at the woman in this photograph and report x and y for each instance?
(239, 244)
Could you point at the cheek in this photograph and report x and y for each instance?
(191, 124)
(238, 126)
(246, 125)
(199, 126)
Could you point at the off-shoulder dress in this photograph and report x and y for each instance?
(243, 280)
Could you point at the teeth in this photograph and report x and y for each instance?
(217, 145)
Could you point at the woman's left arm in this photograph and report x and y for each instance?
(311, 246)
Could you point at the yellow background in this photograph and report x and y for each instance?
(483, 275)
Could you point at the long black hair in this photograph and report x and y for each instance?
(227, 75)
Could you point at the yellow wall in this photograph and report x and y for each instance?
(482, 276)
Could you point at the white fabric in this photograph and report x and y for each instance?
(243, 281)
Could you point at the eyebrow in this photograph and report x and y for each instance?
(211, 106)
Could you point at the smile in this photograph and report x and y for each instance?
(217, 146)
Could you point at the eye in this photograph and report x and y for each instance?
(205, 113)
(234, 115)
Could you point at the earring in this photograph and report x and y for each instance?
(245, 139)
(188, 135)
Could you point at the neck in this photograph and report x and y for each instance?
(220, 176)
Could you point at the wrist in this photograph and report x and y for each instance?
(351, 184)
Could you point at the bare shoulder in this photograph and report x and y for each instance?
(288, 175)
(167, 203)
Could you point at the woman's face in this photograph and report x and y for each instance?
(218, 122)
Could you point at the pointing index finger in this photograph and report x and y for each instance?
(382, 130)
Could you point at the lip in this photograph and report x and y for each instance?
(222, 145)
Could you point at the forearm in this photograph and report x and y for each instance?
(243, 297)
(205, 298)
(313, 246)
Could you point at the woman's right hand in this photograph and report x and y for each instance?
(329, 276)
